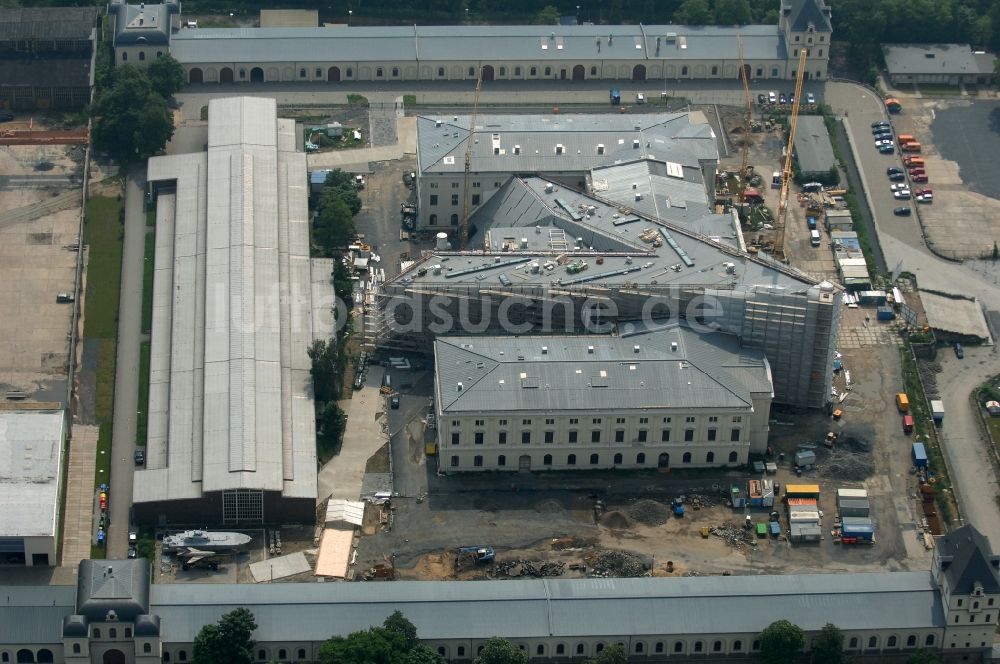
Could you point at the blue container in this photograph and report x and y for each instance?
(885, 313)
(919, 455)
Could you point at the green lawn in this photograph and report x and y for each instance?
(937, 89)
(103, 233)
(143, 402)
(147, 283)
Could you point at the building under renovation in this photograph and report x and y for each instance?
(231, 433)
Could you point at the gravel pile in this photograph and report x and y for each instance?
(615, 520)
(846, 465)
(649, 512)
(619, 564)
(513, 569)
(735, 535)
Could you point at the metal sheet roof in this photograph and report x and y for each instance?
(31, 23)
(561, 608)
(34, 614)
(30, 461)
(918, 59)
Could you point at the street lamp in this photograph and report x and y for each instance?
(350, 14)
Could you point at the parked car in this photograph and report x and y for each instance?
(919, 178)
(132, 552)
(6, 117)
(782, 99)
(761, 99)
(925, 198)
(898, 187)
(394, 402)
(140, 457)
(887, 149)
(902, 211)
(810, 98)
(959, 351)
(902, 194)
(772, 96)
(897, 177)
(791, 99)
(880, 123)
(893, 169)
(882, 141)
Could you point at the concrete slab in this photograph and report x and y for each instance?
(78, 511)
(957, 315)
(279, 567)
(335, 551)
(342, 476)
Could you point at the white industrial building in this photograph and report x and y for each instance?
(31, 458)
(659, 398)
(114, 615)
(231, 433)
(656, 53)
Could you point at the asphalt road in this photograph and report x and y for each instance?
(957, 138)
(904, 248)
(127, 370)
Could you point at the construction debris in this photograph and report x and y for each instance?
(511, 569)
(649, 512)
(735, 535)
(617, 564)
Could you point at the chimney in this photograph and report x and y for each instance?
(517, 149)
(545, 350)
(524, 243)
(636, 348)
(590, 350)
(458, 387)
(635, 144)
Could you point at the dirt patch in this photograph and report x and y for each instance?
(379, 462)
(616, 520)
(549, 507)
(649, 512)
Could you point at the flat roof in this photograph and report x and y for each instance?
(569, 608)
(588, 372)
(920, 59)
(812, 145)
(230, 405)
(33, 23)
(474, 44)
(560, 143)
(30, 459)
(955, 313)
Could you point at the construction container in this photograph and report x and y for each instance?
(872, 297)
(919, 454)
(755, 494)
(851, 493)
(902, 402)
(884, 313)
(803, 516)
(767, 487)
(937, 411)
(859, 532)
(854, 507)
(805, 459)
(802, 491)
(805, 532)
(736, 497)
(802, 503)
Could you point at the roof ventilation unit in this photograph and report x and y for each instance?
(549, 188)
(600, 148)
(636, 348)
(545, 350)
(560, 148)
(458, 387)
(638, 196)
(673, 346)
(517, 149)
(524, 243)
(635, 144)
(635, 185)
(590, 350)
(438, 123)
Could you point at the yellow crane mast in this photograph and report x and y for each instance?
(744, 176)
(464, 239)
(786, 175)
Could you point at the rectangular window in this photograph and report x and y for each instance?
(456, 423)
(526, 423)
(454, 462)
(454, 438)
(620, 420)
(597, 420)
(454, 185)
(550, 436)
(477, 185)
(454, 199)
(525, 437)
(689, 419)
(434, 185)
(574, 420)
(476, 199)
(434, 199)
(479, 438)
(643, 420)
(502, 438)
(642, 435)
(572, 436)
(737, 418)
(550, 421)
(619, 436)
(667, 420)
(496, 185)
(713, 418)
(665, 436)
(480, 423)
(774, 72)
(688, 435)
(242, 505)
(712, 433)
(595, 436)
(734, 435)
(503, 423)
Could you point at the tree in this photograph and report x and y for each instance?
(323, 370)
(333, 421)
(166, 75)
(548, 15)
(828, 646)
(732, 12)
(132, 120)
(923, 657)
(343, 286)
(611, 655)
(398, 624)
(333, 224)
(395, 642)
(780, 642)
(501, 651)
(693, 12)
(229, 640)
(341, 185)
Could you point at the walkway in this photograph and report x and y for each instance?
(78, 504)
(127, 370)
(342, 476)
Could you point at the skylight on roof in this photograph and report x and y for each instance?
(675, 170)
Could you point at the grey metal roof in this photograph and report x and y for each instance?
(143, 24)
(31, 23)
(812, 145)
(232, 316)
(592, 372)
(56, 72)
(968, 561)
(121, 586)
(30, 461)
(917, 59)
(559, 607)
(531, 143)
(474, 45)
(805, 13)
(34, 614)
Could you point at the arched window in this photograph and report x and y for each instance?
(911, 641)
(113, 633)
(302, 72)
(44, 656)
(548, 71)
(25, 656)
(547, 460)
(76, 651)
(600, 647)
(128, 632)
(533, 71)
(686, 458)
(440, 71)
(873, 642)
(733, 457)
(698, 646)
(395, 72)
(639, 647)
(717, 646)
(166, 657)
(579, 649)
(182, 656)
(262, 655)
(503, 71)
(594, 458)
(147, 647)
(472, 71)
(929, 641)
(501, 460)
(853, 643)
(97, 633)
(593, 71)
(540, 650)
(349, 72)
(640, 458)
(378, 72)
(433, 220)
(124, 56)
(282, 653)
(243, 74)
(517, 71)
(678, 646)
(684, 70)
(142, 55)
(571, 460)
(891, 642)
(618, 458)
(454, 220)
(737, 646)
(560, 649)
(461, 651)
(715, 70)
(442, 651)
(479, 650)
(710, 457)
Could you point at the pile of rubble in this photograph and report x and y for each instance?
(535, 568)
(699, 500)
(735, 535)
(843, 464)
(620, 564)
(649, 512)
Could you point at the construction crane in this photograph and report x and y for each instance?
(744, 176)
(464, 232)
(786, 174)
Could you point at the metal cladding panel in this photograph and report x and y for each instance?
(267, 309)
(157, 408)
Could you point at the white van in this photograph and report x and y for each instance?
(640, 98)
(814, 238)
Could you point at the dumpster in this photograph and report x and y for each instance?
(761, 530)
(775, 528)
(919, 455)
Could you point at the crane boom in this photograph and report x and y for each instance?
(746, 124)
(464, 239)
(786, 174)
